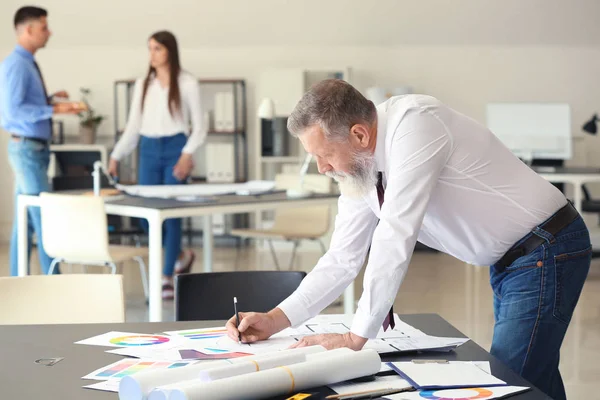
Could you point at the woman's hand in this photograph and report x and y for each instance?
(113, 167)
(184, 166)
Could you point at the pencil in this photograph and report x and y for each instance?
(237, 318)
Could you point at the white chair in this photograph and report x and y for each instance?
(295, 224)
(75, 231)
(61, 299)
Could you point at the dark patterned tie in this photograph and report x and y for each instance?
(37, 67)
(389, 318)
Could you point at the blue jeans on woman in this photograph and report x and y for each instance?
(29, 161)
(158, 157)
(534, 300)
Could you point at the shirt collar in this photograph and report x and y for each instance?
(381, 133)
(25, 53)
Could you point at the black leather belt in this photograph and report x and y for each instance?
(33, 139)
(560, 220)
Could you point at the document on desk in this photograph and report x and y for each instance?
(105, 386)
(379, 383)
(402, 338)
(422, 343)
(130, 366)
(133, 340)
(488, 393)
(444, 375)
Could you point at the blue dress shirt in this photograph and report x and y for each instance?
(24, 108)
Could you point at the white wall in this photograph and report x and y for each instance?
(464, 76)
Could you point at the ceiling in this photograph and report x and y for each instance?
(320, 22)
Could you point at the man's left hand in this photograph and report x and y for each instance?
(332, 341)
(61, 94)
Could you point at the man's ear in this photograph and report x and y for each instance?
(360, 135)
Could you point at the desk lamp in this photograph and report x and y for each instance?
(590, 126)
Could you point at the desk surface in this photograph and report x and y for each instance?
(21, 345)
(215, 201)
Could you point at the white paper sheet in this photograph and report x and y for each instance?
(472, 393)
(106, 386)
(403, 337)
(130, 339)
(434, 375)
(128, 366)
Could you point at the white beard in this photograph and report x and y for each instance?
(362, 179)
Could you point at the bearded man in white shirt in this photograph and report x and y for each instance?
(414, 169)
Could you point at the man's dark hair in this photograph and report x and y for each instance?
(28, 13)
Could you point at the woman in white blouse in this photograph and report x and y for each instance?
(164, 105)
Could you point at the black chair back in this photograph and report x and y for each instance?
(209, 296)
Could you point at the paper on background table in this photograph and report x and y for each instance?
(140, 385)
(488, 393)
(279, 381)
(450, 375)
(128, 366)
(172, 191)
(130, 339)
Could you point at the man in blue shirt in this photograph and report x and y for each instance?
(26, 114)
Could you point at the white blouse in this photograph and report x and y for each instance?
(156, 120)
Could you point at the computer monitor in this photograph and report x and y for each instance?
(533, 130)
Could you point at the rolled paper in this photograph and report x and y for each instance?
(140, 385)
(276, 360)
(280, 380)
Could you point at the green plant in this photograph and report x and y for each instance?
(89, 117)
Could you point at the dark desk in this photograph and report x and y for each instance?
(21, 378)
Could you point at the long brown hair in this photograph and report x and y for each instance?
(168, 40)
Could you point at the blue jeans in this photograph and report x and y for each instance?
(158, 156)
(534, 299)
(29, 162)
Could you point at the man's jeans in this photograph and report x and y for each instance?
(534, 299)
(29, 162)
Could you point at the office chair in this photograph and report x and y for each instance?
(294, 224)
(61, 299)
(209, 296)
(74, 231)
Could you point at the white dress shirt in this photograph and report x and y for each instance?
(449, 183)
(157, 121)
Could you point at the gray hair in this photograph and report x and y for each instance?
(335, 106)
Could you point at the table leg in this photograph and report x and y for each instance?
(349, 299)
(207, 242)
(155, 268)
(22, 237)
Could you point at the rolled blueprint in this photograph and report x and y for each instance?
(280, 380)
(139, 386)
(276, 359)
